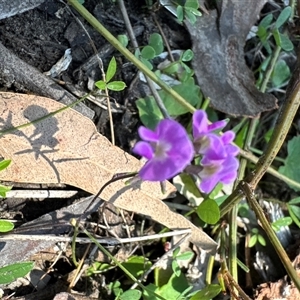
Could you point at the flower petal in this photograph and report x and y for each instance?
(143, 149)
(147, 134)
(157, 170)
(207, 184)
(228, 137)
(199, 123)
(216, 126)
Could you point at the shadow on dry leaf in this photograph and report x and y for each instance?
(68, 149)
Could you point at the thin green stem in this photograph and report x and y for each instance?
(270, 69)
(271, 234)
(107, 253)
(9, 130)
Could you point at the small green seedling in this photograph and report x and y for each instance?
(179, 68)
(150, 51)
(188, 10)
(285, 221)
(256, 237)
(268, 28)
(110, 73)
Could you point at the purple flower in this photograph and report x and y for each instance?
(218, 163)
(202, 130)
(168, 150)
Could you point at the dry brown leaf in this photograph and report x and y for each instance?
(219, 62)
(66, 148)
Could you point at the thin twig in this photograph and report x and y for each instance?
(154, 92)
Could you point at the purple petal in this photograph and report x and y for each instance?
(169, 155)
(228, 137)
(208, 184)
(143, 149)
(199, 123)
(216, 149)
(175, 135)
(232, 150)
(216, 125)
(159, 170)
(147, 134)
(229, 172)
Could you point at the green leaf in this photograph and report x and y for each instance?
(146, 63)
(283, 17)
(295, 201)
(209, 292)
(115, 287)
(194, 11)
(293, 216)
(185, 256)
(296, 210)
(131, 295)
(277, 37)
(123, 39)
(116, 86)
(179, 12)
(253, 240)
(101, 85)
(149, 112)
(175, 252)
(191, 4)
(6, 226)
(268, 135)
(4, 164)
(286, 43)
(4, 190)
(137, 265)
(261, 240)
(262, 33)
(190, 16)
(9, 273)
(281, 73)
(286, 221)
(291, 166)
(175, 286)
(171, 68)
(266, 21)
(111, 70)
(175, 267)
(156, 42)
(187, 55)
(148, 52)
(208, 211)
(188, 90)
